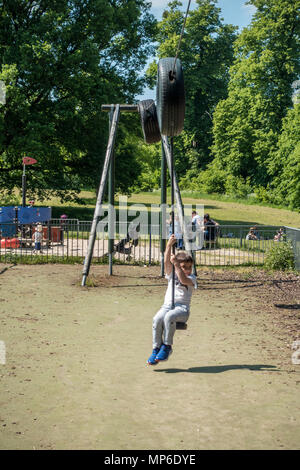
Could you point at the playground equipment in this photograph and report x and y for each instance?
(149, 121)
(162, 122)
(11, 217)
(108, 168)
(26, 161)
(126, 244)
(10, 243)
(170, 97)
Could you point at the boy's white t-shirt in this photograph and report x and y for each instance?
(38, 236)
(197, 219)
(183, 293)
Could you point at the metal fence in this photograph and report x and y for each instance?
(68, 240)
(293, 234)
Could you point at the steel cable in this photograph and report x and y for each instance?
(180, 38)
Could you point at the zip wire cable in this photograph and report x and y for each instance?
(172, 218)
(181, 35)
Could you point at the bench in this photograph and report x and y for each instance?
(212, 242)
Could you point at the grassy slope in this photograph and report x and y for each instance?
(232, 212)
(222, 211)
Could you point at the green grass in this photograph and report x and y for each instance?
(39, 259)
(221, 208)
(249, 201)
(230, 213)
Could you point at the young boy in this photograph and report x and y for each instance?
(38, 238)
(164, 322)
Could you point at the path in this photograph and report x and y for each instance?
(142, 253)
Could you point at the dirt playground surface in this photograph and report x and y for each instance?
(75, 375)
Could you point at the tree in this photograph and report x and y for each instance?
(248, 122)
(206, 54)
(285, 165)
(60, 60)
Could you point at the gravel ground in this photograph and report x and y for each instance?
(75, 375)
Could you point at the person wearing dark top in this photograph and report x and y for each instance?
(210, 228)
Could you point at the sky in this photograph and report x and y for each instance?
(233, 11)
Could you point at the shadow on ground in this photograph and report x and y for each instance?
(289, 306)
(6, 268)
(218, 369)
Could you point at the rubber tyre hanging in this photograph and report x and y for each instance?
(147, 110)
(170, 97)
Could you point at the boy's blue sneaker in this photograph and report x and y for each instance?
(152, 359)
(164, 353)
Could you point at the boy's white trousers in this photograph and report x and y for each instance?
(164, 323)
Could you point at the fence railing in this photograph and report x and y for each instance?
(64, 240)
(293, 234)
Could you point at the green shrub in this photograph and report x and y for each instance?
(8, 199)
(211, 180)
(280, 256)
(237, 186)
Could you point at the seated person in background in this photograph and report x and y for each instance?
(251, 235)
(196, 219)
(210, 228)
(279, 235)
(256, 232)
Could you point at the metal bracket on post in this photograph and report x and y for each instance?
(97, 212)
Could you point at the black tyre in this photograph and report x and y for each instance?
(147, 110)
(170, 97)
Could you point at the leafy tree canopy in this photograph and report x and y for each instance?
(206, 53)
(248, 123)
(285, 165)
(60, 60)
